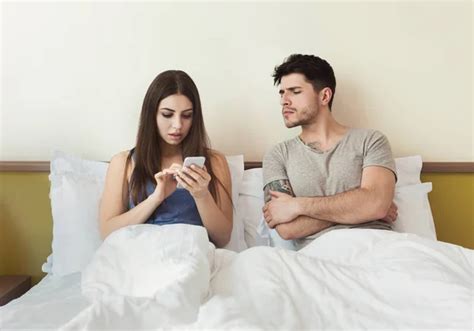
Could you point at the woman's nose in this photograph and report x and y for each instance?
(177, 123)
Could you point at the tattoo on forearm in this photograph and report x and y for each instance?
(281, 185)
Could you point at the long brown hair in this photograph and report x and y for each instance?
(147, 153)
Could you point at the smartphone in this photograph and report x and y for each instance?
(190, 160)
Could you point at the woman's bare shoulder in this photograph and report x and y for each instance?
(120, 157)
(119, 161)
(217, 157)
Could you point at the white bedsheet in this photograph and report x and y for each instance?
(346, 279)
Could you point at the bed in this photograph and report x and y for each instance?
(345, 279)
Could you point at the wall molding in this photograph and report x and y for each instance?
(428, 167)
(24, 166)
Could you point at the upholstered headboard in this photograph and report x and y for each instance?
(26, 221)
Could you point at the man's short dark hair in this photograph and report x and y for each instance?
(317, 71)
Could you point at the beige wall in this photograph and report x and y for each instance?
(74, 74)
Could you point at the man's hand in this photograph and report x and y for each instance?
(392, 214)
(282, 208)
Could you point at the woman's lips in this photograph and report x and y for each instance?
(175, 136)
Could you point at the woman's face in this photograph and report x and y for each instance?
(174, 118)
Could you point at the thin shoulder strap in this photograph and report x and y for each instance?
(132, 153)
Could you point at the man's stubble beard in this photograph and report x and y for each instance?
(308, 117)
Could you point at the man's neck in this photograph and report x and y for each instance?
(324, 133)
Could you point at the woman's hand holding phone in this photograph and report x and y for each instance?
(193, 176)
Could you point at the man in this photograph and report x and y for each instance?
(330, 176)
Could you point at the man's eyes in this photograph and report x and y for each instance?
(294, 92)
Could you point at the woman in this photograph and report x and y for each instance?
(140, 185)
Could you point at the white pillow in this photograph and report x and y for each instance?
(76, 189)
(249, 206)
(408, 170)
(408, 173)
(47, 267)
(236, 167)
(414, 212)
(237, 241)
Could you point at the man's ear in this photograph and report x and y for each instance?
(325, 96)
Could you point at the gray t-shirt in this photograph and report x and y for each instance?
(316, 173)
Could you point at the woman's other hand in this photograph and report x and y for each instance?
(165, 183)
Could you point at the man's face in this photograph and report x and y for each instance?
(299, 100)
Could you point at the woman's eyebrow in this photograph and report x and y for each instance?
(169, 109)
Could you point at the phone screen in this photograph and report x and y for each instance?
(197, 160)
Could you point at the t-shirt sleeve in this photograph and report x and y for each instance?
(378, 152)
(274, 167)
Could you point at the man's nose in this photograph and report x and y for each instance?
(284, 100)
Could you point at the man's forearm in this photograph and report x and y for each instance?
(301, 227)
(351, 207)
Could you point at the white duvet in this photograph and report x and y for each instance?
(172, 277)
